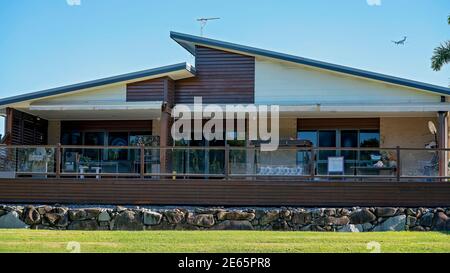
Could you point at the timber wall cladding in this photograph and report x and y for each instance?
(338, 123)
(27, 129)
(149, 90)
(224, 193)
(107, 125)
(221, 77)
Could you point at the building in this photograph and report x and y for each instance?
(108, 140)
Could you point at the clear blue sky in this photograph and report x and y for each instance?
(48, 43)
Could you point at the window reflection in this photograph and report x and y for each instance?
(343, 139)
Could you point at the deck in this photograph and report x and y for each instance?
(235, 192)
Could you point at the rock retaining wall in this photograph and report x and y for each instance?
(209, 218)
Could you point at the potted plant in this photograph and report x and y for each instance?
(388, 159)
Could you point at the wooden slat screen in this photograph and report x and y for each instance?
(225, 193)
(338, 123)
(221, 77)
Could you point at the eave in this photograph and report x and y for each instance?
(169, 71)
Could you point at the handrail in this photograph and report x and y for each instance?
(223, 148)
(226, 172)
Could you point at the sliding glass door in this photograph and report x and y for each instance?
(109, 160)
(341, 139)
(207, 157)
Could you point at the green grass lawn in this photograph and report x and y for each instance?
(220, 241)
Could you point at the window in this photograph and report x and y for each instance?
(368, 139)
(95, 139)
(118, 139)
(349, 139)
(340, 138)
(345, 138)
(103, 138)
(308, 135)
(71, 138)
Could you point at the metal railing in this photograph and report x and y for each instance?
(225, 162)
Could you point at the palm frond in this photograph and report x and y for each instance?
(441, 56)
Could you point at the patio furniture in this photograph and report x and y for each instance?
(97, 171)
(281, 171)
(359, 169)
(82, 170)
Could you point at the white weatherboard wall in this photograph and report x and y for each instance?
(285, 83)
(113, 93)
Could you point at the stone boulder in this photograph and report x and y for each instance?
(385, 211)
(56, 218)
(32, 216)
(11, 220)
(127, 220)
(285, 214)
(427, 219)
(281, 225)
(152, 218)
(269, 217)
(44, 209)
(410, 211)
(77, 214)
(417, 228)
(362, 216)
(104, 216)
(317, 212)
(85, 225)
(92, 213)
(343, 212)
(411, 221)
(201, 220)
(364, 227)
(233, 225)
(349, 228)
(58, 209)
(441, 222)
(174, 216)
(337, 221)
(208, 210)
(329, 212)
(119, 209)
(235, 215)
(301, 218)
(396, 223)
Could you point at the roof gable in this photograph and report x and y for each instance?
(189, 41)
(170, 70)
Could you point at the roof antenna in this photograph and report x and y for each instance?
(203, 22)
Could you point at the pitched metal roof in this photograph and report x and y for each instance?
(189, 41)
(99, 82)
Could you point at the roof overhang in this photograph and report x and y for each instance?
(190, 41)
(176, 72)
(98, 111)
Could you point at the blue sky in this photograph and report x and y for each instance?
(48, 43)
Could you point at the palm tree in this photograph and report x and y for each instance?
(441, 54)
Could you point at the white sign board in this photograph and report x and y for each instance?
(36, 157)
(336, 164)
